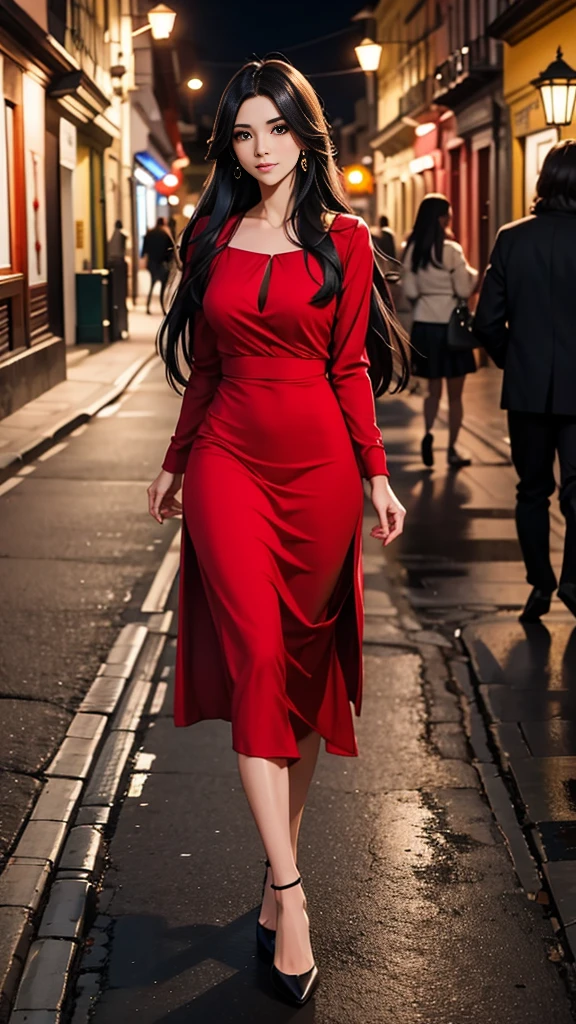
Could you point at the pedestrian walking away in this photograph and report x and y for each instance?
(435, 276)
(385, 241)
(290, 338)
(158, 247)
(526, 319)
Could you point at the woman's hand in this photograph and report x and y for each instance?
(162, 503)
(389, 510)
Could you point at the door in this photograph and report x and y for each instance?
(484, 239)
(536, 149)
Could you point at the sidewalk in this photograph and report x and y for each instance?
(461, 566)
(96, 375)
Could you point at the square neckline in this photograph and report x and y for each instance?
(271, 255)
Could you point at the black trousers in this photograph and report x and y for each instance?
(535, 439)
(158, 272)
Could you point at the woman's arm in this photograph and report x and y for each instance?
(349, 369)
(203, 381)
(352, 385)
(410, 285)
(464, 277)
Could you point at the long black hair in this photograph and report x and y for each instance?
(428, 234)
(317, 192)
(556, 187)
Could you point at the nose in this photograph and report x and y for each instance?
(261, 145)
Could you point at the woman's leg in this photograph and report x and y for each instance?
(455, 387)
(300, 776)
(301, 773)
(267, 786)
(431, 402)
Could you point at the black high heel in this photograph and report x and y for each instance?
(295, 989)
(265, 937)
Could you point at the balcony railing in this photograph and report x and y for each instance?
(86, 36)
(467, 69)
(416, 98)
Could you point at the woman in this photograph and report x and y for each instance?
(436, 274)
(526, 319)
(276, 291)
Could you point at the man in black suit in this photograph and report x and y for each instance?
(158, 246)
(526, 319)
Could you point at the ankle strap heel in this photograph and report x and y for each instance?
(289, 886)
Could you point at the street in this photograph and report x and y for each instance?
(77, 552)
(417, 913)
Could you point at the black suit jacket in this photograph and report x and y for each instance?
(526, 315)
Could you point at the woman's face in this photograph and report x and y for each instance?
(263, 144)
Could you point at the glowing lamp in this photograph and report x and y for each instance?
(358, 179)
(557, 87)
(195, 84)
(161, 20)
(368, 54)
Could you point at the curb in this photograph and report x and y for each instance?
(74, 420)
(553, 880)
(48, 886)
(493, 784)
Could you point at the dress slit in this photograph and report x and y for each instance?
(263, 292)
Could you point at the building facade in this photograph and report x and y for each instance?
(79, 127)
(442, 121)
(32, 354)
(531, 33)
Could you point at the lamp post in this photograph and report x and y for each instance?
(160, 22)
(368, 54)
(557, 87)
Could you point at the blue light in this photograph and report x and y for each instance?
(150, 164)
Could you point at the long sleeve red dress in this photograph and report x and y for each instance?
(276, 431)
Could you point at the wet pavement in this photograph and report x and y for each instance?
(418, 916)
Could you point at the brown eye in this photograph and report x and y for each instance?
(281, 129)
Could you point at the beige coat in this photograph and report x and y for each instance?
(435, 290)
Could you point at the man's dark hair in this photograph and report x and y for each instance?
(556, 187)
(160, 222)
(384, 222)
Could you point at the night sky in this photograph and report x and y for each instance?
(231, 32)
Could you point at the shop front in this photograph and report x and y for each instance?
(32, 351)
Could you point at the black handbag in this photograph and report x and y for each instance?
(461, 337)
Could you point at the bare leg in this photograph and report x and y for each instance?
(455, 387)
(300, 776)
(431, 402)
(267, 787)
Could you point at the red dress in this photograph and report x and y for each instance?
(273, 443)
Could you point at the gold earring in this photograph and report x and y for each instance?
(237, 172)
(303, 161)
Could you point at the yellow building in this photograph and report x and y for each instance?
(532, 34)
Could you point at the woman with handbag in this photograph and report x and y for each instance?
(437, 279)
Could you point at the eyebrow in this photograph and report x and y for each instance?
(271, 121)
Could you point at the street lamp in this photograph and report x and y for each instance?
(368, 54)
(557, 87)
(160, 22)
